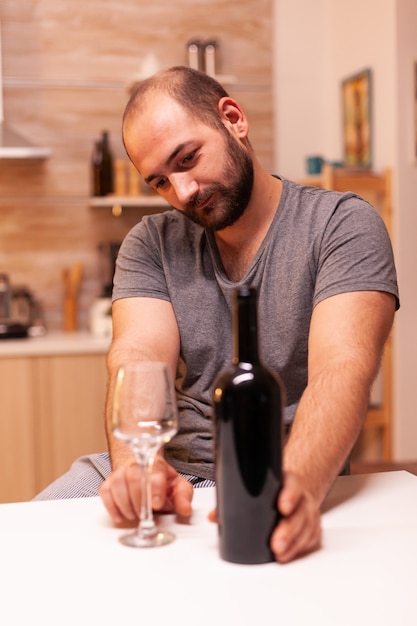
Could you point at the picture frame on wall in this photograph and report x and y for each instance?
(357, 120)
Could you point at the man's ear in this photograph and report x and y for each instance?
(233, 117)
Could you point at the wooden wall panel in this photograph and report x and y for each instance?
(67, 67)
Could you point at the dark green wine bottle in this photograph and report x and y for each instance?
(248, 410)
(102, 166)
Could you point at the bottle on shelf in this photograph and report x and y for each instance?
(195, 54)
(210, 51)
(248, 404)
(102, 166)
(120, 177)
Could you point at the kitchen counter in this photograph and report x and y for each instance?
(52, 400)
(55, 343)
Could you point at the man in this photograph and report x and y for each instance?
(323, 268)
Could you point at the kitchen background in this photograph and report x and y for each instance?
(67, 69)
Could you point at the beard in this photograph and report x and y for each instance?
(229, 201)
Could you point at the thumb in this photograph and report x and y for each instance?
(212, 516)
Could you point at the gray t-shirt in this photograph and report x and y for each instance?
(320, 243)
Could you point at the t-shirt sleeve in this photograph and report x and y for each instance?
(355, 252)
(139, 271)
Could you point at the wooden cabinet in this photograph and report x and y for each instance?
(17, 430)
(51, 412)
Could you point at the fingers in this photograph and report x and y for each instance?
(299, 530)
(212, 516)
(161, 496)
(170, 492)
(121, 491)
(183, 492)
(296, 535)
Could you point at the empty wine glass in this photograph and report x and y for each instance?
(145, 416)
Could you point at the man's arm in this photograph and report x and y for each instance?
(143, 329)
(346, 340)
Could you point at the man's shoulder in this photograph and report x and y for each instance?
(169, 233)
(311, 200)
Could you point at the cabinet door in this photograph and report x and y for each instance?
(71, 397)
(18, 480)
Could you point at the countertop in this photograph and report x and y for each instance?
(55, 343)
(55, 558)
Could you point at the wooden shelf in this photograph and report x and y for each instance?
(117, 204)
(148, 202)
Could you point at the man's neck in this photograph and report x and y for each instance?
(239, 243)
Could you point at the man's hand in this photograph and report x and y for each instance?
(299, 530)
(121, 492)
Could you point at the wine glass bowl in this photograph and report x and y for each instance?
(145, 416)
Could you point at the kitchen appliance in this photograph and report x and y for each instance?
(100, 319)
(20, 312)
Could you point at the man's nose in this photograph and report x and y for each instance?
(185, 186)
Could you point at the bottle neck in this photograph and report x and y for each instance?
(105, 142)
(245, 327)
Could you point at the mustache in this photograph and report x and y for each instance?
(201, 197)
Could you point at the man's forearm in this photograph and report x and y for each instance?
(346, 340)
(119, 353)
(325, 429)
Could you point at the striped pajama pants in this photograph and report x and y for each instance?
(85, 476)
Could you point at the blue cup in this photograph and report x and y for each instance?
(314, 164)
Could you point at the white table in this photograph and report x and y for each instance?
(61, 563)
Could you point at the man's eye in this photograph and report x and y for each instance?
(188, 158)
(161, 183)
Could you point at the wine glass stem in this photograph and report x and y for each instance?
(146, 522)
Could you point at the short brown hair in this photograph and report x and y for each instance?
(195, 91)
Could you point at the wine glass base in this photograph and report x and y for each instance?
(138, 540)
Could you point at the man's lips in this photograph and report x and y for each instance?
(202, 205)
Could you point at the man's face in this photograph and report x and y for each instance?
(204, 172)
